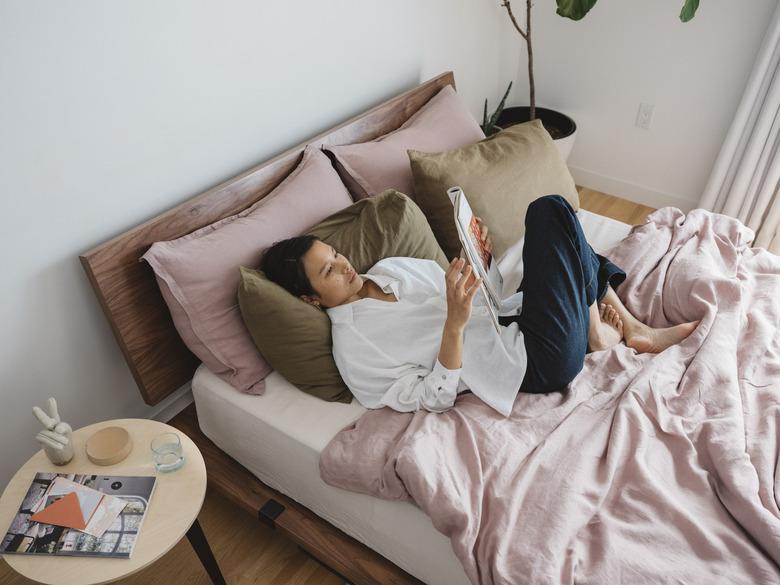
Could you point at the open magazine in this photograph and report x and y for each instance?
(117, 539)
(482, 261)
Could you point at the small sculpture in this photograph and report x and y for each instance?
(57, 437)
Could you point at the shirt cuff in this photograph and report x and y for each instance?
(444, 379)
(511, 305)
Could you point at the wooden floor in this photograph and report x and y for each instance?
(614, 207)
(251, 553)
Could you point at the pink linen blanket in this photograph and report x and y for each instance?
(649, 469)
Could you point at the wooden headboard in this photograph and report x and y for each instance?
(127, 289)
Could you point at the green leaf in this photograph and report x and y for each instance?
(499, 108)
(689, 10)
(574, 9)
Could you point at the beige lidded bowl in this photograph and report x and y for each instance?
(109, 446)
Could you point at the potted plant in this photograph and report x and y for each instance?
(560, 126)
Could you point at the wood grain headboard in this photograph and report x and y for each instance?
(127, 289)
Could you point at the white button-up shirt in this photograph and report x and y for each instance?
(387, 352)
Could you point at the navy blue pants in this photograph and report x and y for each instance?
(562, 278)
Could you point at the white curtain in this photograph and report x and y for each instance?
(745, 181)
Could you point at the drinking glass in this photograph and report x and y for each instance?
(166, 452)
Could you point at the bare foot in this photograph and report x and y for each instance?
(611, 316)
(645, 339)
(609, 332)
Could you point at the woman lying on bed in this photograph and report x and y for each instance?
(405, 335)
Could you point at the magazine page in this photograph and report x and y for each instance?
(98, 510)
(25, 536)
(477, 254)
(492, 276)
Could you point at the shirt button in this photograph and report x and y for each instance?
(444, 376)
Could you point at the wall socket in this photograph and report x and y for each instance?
(644, 117)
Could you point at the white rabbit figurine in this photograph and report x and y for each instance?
(57, 437)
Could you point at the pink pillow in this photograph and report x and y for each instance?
(442, 124)
(198, 273)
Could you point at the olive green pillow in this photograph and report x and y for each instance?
(293, 336)
(388, 224)
(500, 176)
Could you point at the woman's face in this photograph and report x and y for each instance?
(331, 275)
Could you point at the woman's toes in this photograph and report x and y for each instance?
(602, 310)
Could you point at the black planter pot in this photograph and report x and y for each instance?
(557, 124)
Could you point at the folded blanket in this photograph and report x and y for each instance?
(649, 469)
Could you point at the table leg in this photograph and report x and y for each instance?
(203, 550)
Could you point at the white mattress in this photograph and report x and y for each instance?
(279, 436)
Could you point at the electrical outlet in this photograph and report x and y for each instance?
(644, 117)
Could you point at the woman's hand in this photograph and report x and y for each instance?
(461, 288)
(484, 235)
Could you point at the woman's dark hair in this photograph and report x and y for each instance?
(282, 263)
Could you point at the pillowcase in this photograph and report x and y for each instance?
(198, 273)
(387, 225)
(294, 336)
(369, 168)
(500, 176)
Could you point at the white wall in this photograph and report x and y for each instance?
(111, 112)
(624, 52)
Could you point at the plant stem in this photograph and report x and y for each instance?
(508, 7)
(526, 34)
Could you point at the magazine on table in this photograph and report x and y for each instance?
(78, 506)
(85, 515)
(477, 255)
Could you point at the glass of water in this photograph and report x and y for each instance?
(167, 453)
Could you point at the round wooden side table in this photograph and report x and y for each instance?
(172, 513)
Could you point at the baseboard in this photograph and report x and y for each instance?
(630, 191)
(173, 404)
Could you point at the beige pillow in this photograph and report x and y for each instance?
(293, 336)
(500, 176)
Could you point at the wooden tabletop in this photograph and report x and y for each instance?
(174, 506)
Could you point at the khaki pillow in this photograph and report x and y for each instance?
(293, 336)
(500, 176)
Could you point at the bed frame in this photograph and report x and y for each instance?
(161, 363)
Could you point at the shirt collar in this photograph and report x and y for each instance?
(343, 313)
(385, 282)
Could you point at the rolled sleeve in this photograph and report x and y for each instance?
(446, 380)
(433, 390)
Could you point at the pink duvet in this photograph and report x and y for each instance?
(649, 469)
